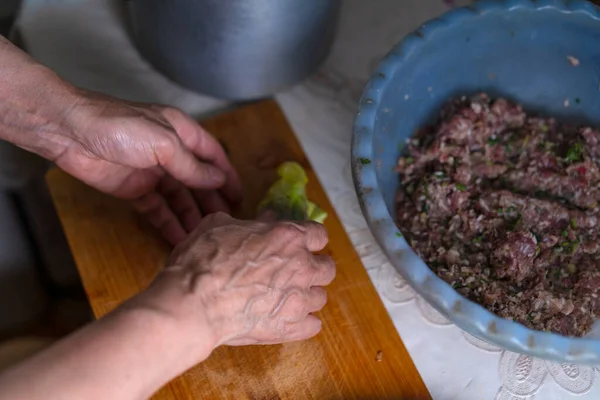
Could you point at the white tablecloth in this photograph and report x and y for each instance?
(84, 41)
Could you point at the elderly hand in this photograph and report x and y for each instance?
(170, 168)
(240, 282)
(230, 282)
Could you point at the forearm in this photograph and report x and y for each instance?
(35, 103)
(127, 355)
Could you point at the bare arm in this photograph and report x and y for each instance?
(127, 355)
(230, 283)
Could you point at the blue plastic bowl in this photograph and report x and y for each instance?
(513, 48)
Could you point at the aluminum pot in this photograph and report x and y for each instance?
(234, 49)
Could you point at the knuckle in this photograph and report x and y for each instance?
(303, 262)
(215, 218)
(165, 148)
(210, 217)
(171, 112)
(220, 215)
(288, 231)
(318, 229)
(316, 237)
(296, 304)
(305, 276)
(296, 307)
(306, 259)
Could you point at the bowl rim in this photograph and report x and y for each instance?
(465, 314)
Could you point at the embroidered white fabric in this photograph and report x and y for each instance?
(84, 41)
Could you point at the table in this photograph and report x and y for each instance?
(452, 364)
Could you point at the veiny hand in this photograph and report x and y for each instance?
(248, 282)
(159, 158)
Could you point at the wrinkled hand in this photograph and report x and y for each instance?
(157, 157)
(249, 282)
(169, 167)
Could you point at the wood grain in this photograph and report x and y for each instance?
(118, 255)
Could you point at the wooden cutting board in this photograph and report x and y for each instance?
(118, 255)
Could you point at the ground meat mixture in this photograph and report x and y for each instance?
(504, 207)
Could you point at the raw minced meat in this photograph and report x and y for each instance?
(504, 206)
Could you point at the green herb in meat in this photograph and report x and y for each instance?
(575, 153)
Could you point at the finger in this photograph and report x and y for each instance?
(296, 304)
(302, 330)
(316, 299)
(325, 270)
(183, 166)
(181, 202)
(211, 202)
(207, 148)
(289, 332)
(315, 235)
(155, 209)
